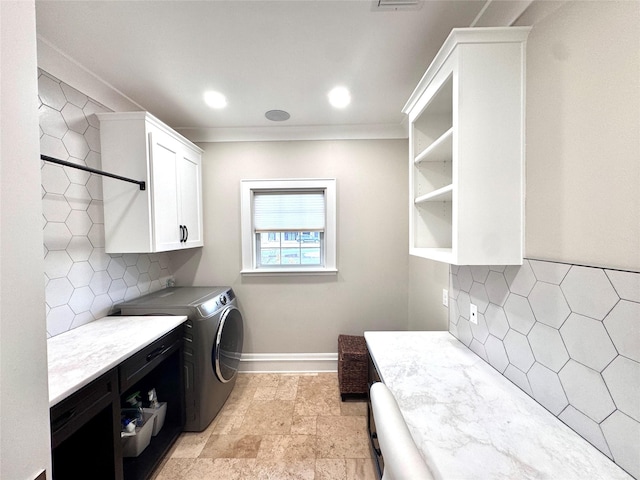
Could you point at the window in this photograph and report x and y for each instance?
(288, 226)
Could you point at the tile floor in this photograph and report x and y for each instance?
(278, 427)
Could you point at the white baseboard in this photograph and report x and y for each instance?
(288, 362)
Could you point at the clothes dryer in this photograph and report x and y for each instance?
(213, 341)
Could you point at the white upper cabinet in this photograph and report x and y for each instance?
(190, 174)
(168, 214)
(466, 160)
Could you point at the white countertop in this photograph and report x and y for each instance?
(470, 422)
(81, 355)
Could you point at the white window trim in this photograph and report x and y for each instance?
(248, 187)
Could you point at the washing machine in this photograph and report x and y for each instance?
(212, 344)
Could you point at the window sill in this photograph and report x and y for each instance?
(289, 271)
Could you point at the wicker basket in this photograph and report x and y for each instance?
(352, 366)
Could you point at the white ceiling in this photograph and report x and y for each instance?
(263, 55)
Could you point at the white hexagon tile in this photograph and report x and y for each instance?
(82, 282)
(568, 336)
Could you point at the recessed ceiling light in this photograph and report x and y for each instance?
(215, 99)
(339, 97)
(277, 115)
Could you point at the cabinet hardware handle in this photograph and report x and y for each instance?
(158, 351)
(186, 237)
(181, 233)
(60, 422)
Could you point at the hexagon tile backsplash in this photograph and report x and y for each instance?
(568, 335)
(82, 282)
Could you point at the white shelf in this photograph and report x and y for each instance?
(467, 135)
(444, 194)
(434, 121)
(438, 254)
(439, 151)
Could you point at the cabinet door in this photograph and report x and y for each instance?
(86, 425)
(190, 194)
(164, 152)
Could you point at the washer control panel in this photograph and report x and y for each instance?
(216, 303)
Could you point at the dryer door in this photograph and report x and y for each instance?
(228, 347)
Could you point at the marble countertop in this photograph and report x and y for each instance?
(470, 422)
(81, 355)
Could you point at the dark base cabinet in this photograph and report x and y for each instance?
(83, 432)
(86, 441)
(166, 378)
(88, 447)
(373, 377)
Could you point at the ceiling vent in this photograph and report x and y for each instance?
(392, 5)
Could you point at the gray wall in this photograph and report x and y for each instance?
(583, 119)
(426, 311)
(24, 401)
(568, 334)
(305, 314)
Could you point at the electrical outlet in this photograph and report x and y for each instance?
(445, 297)
(473, 313)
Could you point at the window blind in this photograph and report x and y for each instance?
(289, 211)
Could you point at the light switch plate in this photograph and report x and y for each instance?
(445, 297)
(473, 313)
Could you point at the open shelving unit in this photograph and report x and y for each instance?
(433, 172)
(466, 159)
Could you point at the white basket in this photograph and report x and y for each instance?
(134, 445)
(159, 414)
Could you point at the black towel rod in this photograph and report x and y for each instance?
(142, 184)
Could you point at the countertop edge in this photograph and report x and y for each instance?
(504, 433)
(169, 323)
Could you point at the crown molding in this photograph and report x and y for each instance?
(296, 133)
(57, 63)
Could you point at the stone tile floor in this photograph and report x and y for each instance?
(278, 427)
